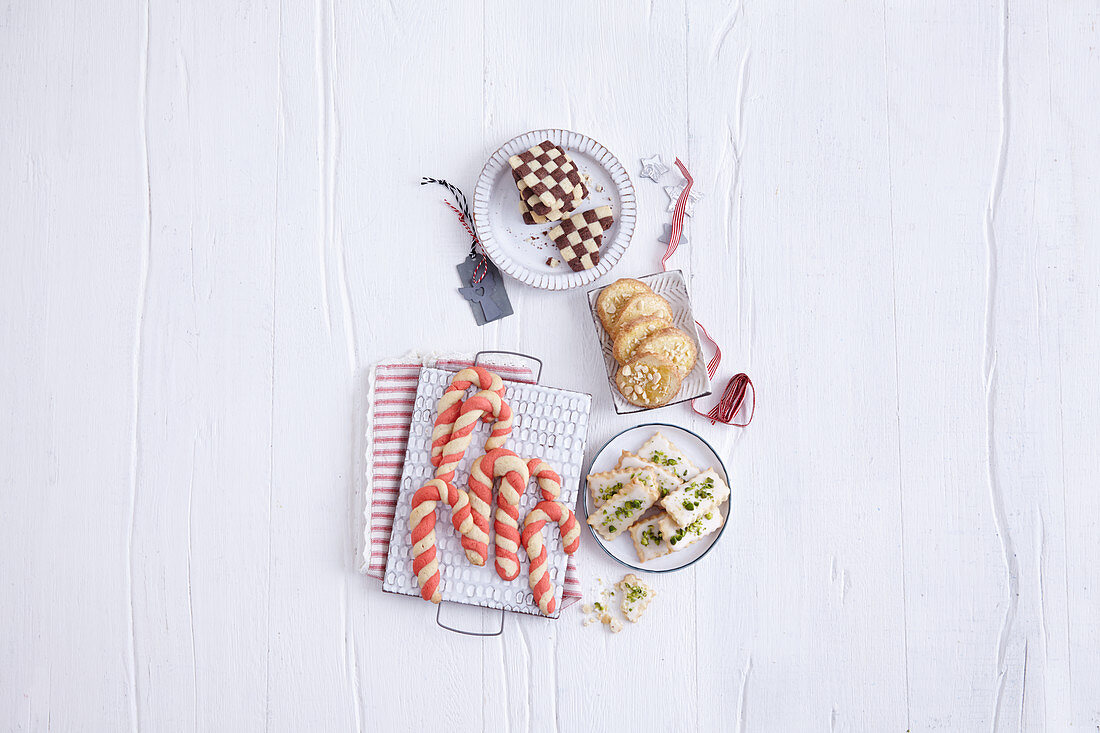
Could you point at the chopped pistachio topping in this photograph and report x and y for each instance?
(610, 491)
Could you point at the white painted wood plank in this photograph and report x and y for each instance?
(313, 681)
(1039, 342)
(203, 496)
(1066, 268)
(407, 87)
(72, 203)
(191, 335)
(819, 588)
(954, 574)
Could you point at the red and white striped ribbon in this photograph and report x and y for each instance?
(733, 396)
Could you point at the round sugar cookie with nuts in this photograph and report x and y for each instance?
(612, 297)
(648, 380)
(630, 335)
(673, 344)
(641, 304)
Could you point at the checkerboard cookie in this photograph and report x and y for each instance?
(579, 237)
(549, 175)
(530, 217)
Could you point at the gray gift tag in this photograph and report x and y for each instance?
(488, 298)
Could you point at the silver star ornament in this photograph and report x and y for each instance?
(674, 195)
(653, 168)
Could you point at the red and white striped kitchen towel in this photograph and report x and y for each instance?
(391, 394)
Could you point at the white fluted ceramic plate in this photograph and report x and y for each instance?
(521, 250)
(699, 452)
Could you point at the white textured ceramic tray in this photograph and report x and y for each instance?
(549, 423)
(699, 452)
(521, 250)
(671, 286)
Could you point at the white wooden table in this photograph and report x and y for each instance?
(211, 227)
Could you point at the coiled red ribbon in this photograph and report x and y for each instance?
(733, 396)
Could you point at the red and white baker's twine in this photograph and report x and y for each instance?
(466, 219)
(451, 436)
(733, 396)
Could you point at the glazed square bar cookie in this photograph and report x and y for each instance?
(624, 508)
(649, 539)
(680, 537)
(547, 172)
(663, 452)
(636, 597)
(696, 497)
(579, 237)
(667, 481)
(602, 486)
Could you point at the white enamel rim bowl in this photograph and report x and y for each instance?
(700, 452)
(520, 250)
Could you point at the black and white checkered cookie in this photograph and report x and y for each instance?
(579, 237)
(579, 194)
(549, 173)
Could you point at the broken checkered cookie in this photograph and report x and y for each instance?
(546, 177)
(579, 237)
(529, 217)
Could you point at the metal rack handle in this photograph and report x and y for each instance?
(464, 632)
(538, 375)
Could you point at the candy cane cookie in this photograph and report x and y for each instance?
(549, 480)
(504, 464)
(422, 525)
(475, 538)
(485, 402)
(450, 404)
(539, 576)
